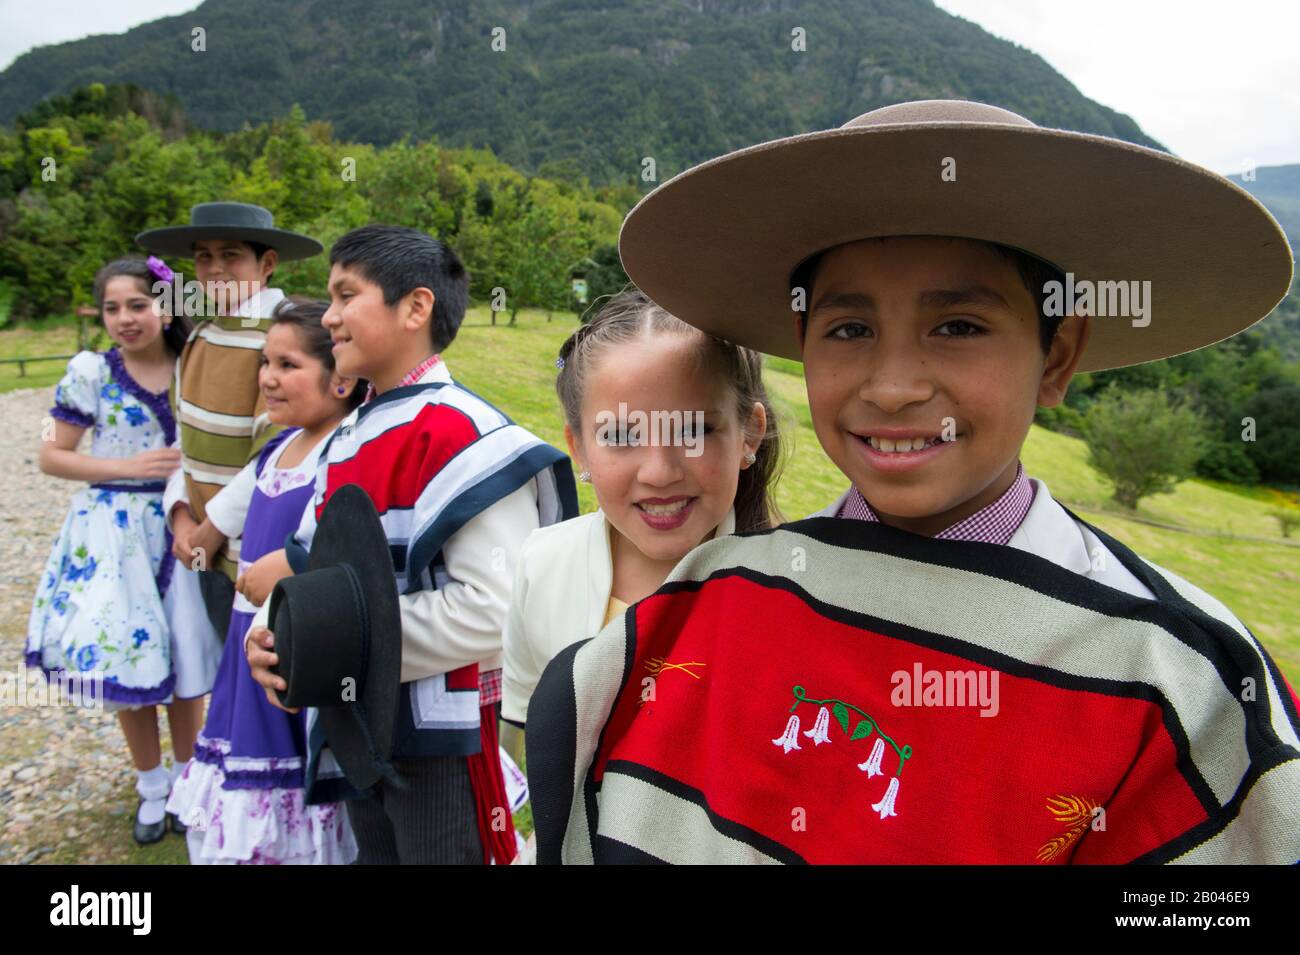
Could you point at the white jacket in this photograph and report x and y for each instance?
(561, 590)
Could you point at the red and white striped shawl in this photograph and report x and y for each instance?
(813, 694)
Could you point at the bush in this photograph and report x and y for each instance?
(1288, 519)
(1228, 462)
(8, 295)
(605, 278)
(1141, 444)
(1276, 448)
(1062, 418)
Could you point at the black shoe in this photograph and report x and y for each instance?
(147, 835)
(178, 827)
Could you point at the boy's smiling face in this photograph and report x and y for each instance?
(228, 269)
(373, 339)
(358, 321)
(913, 339)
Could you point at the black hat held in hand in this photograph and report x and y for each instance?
(338, 635)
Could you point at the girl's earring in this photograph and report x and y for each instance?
(342, 392)
(751, 457)
(585, 477)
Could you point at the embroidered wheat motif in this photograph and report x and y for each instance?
(1075, 813)
(657, 665)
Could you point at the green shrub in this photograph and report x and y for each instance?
(1141, 443)
(1223, 461)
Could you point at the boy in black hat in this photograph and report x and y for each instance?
(219, 409)
(458, 487)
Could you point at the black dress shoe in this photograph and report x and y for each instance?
(148, 834)
(178, 827)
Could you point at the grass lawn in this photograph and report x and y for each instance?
(56, 335)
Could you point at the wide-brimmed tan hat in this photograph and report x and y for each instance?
(717, 245)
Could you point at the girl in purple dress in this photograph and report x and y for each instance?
(242, 794)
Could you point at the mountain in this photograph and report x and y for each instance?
(582, 86)
(1278, 188)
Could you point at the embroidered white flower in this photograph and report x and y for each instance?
(790, 738)
(872, 766)
(886, 805)
(820, 733)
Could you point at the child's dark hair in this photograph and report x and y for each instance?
(629, 315)
(259, 250)
(305, 314)
(175, 333)
(400, 260)
(1035, 273)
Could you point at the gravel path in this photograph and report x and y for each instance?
(62, 769)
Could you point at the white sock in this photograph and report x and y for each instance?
(153, 785)
(178, 767)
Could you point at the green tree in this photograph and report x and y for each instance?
(127, 161)
(53, 151)
(405, 183)
(605, 278)
(539, 250)
(1275, 450)
(1141, 443)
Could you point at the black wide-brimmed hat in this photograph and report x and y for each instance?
(228, 220)
(338, 635)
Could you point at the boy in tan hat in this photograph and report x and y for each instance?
(945, 665)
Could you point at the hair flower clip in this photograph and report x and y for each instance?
(159, 268)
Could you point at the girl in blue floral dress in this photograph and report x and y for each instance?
(102, 612)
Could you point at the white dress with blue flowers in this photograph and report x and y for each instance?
(100, 605)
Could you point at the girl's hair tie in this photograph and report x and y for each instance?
(159, 268)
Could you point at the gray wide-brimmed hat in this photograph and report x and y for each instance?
(718, 245)
(228, 220)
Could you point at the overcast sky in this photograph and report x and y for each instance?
(1218, 83)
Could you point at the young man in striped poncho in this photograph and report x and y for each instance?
(458, 487)
(219, 409)
(945, 665)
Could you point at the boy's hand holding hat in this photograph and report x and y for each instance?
(337, 630)
(259, 650)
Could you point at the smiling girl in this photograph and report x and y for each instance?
(658, 499)
(104, 611)
(242, 793)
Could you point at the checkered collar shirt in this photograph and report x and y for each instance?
(412, 377)
(993, 524)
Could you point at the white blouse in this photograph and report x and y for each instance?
(561, 593)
